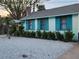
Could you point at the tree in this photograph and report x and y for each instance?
(18, 8)
(41, 7)
(4, 21)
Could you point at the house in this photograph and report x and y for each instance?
(60, 19)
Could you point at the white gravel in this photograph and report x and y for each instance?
(33, 48)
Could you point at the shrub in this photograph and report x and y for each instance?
(69, 36)
(59, 36)
(51, 36)
(21, 30)
(12, 30)
(16, 33)
(38, 34)
(44, 35)
(28, 34)
(33, 34)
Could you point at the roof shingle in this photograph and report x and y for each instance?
(65, 10)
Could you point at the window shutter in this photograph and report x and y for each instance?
(38, 24)
(27, 24)
(47, 24)
(69, 23)
(33, 24)
(58, 23)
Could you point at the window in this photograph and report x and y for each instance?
(30, 24)
(63, 23)
(42, 24)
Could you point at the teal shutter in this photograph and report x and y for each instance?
(58, 23)
(69, 22)
(38, 24)
(33, 24)
(47, 24)
(27, 24)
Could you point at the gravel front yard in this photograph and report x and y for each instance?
(18, 48)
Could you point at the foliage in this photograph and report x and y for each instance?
(41, 7)
(44, 35)
(51, 36)
(33, 34)
(21, 31)
(18, 8)
(69, 36)
(29, 34)
(13, 29)
(59, 36)
(4, 22)
(17, 31)
(38, 34)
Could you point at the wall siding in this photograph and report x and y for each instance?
(24, 25)
(75, 25)
(52, 24)
(78, 26)
(78, 22)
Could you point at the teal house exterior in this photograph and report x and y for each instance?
(59, 19)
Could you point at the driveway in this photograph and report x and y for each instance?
(72, 53)
(31, 48)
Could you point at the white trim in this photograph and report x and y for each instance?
(78, 22)
(35, 24)
(52, 24)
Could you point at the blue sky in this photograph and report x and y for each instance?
(57, 3)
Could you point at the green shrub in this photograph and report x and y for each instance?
(28, 34)
(16, 33)
(51, 36)
(38, 34)
(44, 35)
(12, 29)
(59, 36)
(33, 34)
(69, 36)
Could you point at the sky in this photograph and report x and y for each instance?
(58, 3)
(48, 4)
(3, 12)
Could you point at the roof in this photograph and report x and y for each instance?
(65, 10)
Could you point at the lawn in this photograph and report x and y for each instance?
(30, 48)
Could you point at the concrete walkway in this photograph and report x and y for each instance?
(72, 53)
